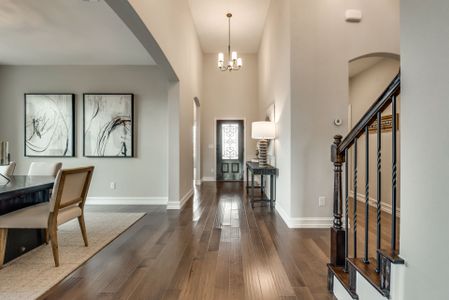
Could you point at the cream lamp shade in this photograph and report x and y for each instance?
(263, 130)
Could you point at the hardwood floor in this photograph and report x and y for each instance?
(217, 247)
(386, 221)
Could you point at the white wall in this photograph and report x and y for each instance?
(322, 44)
(146, 175)
(425, 140)
(171, 24)
(364, 89)
(227, 95)
(274, 87)
(303, 68)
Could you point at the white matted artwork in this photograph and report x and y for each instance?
(50, 125)
(108, 125)
(271, 116)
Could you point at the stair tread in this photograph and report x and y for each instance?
(343, 277)
(392, 256)
(368, 271)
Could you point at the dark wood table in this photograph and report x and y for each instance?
(21, 192)
(256, 169)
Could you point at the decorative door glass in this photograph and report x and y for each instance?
(230, 141)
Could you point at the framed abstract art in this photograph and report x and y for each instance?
(49, 125)
(108, 125)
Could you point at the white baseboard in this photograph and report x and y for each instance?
(305, 222)
(386, 207)
(204, 179)
(181, 203)
(126, 200)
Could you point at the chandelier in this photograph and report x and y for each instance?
(234, 62)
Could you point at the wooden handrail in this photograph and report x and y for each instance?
(393, 89)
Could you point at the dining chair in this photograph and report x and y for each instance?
(8, 170)
(44, 169)
(66, 203)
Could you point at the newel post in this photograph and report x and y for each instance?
(337, 255)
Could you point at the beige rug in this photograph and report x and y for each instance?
(32, 274)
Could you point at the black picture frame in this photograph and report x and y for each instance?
(132, 152)
(72, 124)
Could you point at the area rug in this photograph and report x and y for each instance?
(32, 274)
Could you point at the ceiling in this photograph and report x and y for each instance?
(359, 65)
(247, 24)
(66, 32)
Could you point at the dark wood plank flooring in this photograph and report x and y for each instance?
(386, 221)
(217, 247)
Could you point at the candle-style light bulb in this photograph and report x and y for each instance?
(239, 62)
(234, 55)
(220, 57)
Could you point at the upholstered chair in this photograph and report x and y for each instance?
(8, 170)
(44, 169)
(66, 203)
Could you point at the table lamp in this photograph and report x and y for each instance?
(263, 131)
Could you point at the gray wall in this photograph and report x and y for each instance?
(425, 144)
(364, 89)
(320, 54)
(227, 95)
(274, 87)
(144, 176)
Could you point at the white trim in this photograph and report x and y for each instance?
(180, 204)
(204, 179)
(244, 141)
(197, 182)
(126, 200)
(386, 207)
(212, 179)
(305, 222)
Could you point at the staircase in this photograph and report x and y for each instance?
(352, 273)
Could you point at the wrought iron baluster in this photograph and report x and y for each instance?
(379, 186)
(354, 229)
(346, 209)
(365, 259)
(394, 175)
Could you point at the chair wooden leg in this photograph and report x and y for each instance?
(3, 236)
(83, 229)
(54, 244)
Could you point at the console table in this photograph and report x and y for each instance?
(256, 169)
(21, 192)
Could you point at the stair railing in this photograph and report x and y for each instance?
(340, 157)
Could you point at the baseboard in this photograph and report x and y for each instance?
(386, 207)
(204, 179)
(181, 203)
(305, 222)
(126, 200)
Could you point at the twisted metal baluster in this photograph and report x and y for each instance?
(394, 176)
(365, 259)
(379, 186)
(346, 209)
(354, 230)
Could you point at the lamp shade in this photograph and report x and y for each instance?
(263, 130)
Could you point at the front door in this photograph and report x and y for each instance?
(230, 150)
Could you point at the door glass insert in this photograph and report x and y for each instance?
(230, 141)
